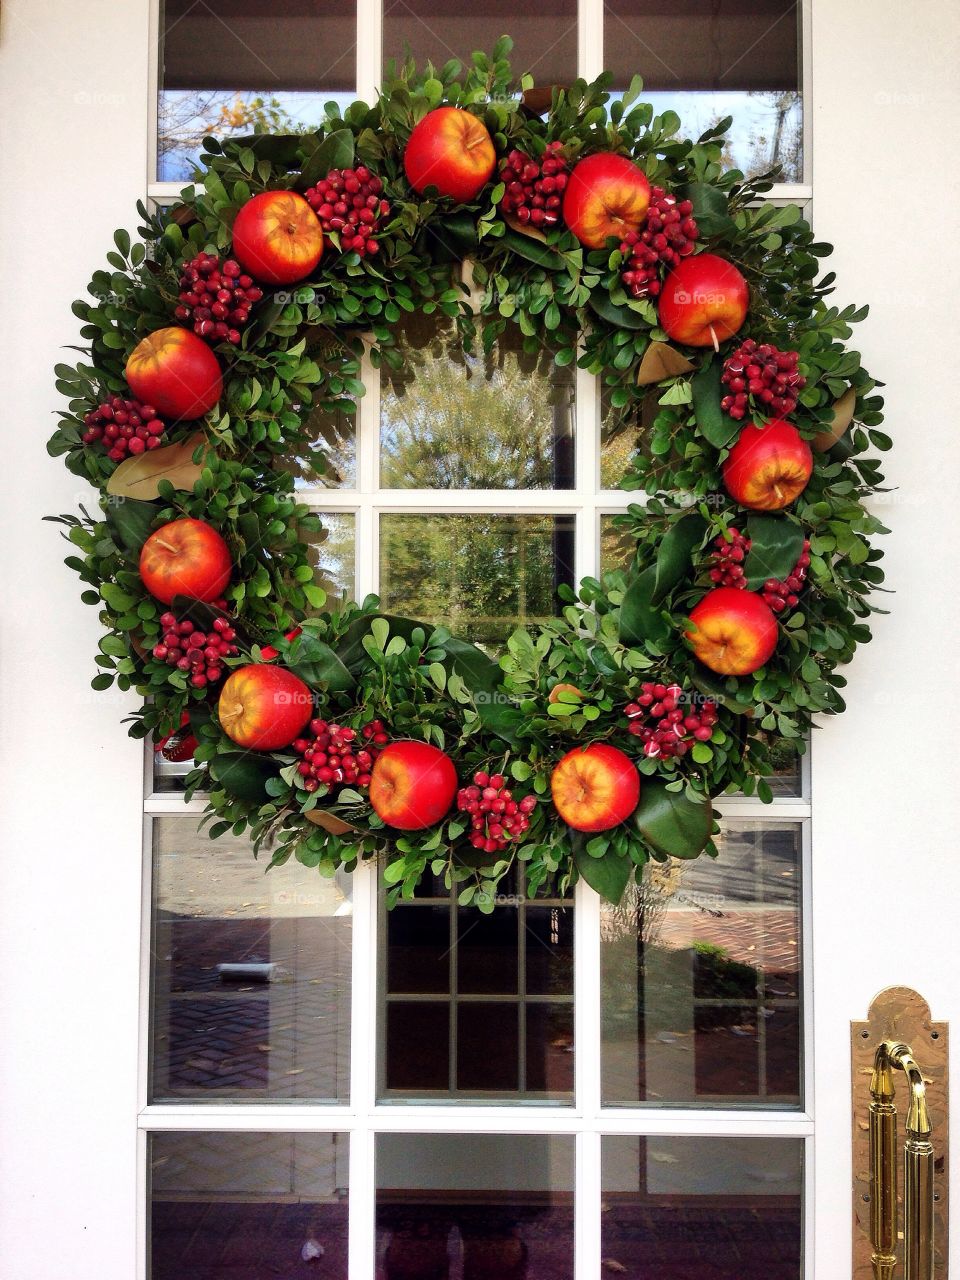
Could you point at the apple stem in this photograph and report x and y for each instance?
(713, 335)
(167, 546)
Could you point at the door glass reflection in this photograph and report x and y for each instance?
(702, 977)
(703, 1208)
(474, 1207)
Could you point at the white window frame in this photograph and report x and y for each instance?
(362, 1117)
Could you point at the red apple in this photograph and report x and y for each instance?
(185, 558)
(264, 707)
(734, 632)
(595, 788)
(704, 301)
(768, 467)
(450, 149)
(412, 785)
(277, 237)
(607, 195)
(176, 372)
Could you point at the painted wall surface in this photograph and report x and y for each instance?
(73, 119)
(886, 779)
(886, 796)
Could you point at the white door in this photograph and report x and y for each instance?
(360, 1103)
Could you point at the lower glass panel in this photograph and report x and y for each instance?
(474, 1207)
(480, 575)
(703, 1208)
(478, 1008)
(251, 974)
(702, 977)
(247, 1206)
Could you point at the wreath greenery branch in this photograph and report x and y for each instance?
(300, 358)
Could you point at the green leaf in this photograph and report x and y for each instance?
(334, 152)
(640, 620)
(709, 207)
(608, 875)
(532, 249)
(620, 317)
(131, 521)
(714, 687)
(315, 662)
(713, 424)
(776, 546)
(243, 774)
(674, 555)
(671, 822)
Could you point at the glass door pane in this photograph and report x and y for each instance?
(474, 1207)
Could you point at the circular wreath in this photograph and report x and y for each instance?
(597, 739)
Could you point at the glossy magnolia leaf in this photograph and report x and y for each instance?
(842, 417)
(621, 317)
(675, 553)
(670, 822)
(640, 620)
(131, 521)
(451, 237)
(350, 648)
(709, 207)
(532, 245)
(660, 361)
(140, 476)
(715, 425)
(334, 152)
(608, 875)
(776, 546)
(243, 774)
(479, 672)
(199, 612)
(329, 822)
(315, 662)
(279, 148)
(716, 688)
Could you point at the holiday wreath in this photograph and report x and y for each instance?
(597, 739)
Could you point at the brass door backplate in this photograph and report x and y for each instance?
(899, 1014)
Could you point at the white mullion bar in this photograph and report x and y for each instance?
(589, 38)
(363, 1070)
(325, 1118)
(587, 1208)
(369, 48)
(452, 501)
(362, 1205)
(586, 1001)
(368, 481)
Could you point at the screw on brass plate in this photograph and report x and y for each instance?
(865, 1035)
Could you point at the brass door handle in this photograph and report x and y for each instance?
(917, 1168)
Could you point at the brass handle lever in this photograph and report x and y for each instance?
(917, 1168)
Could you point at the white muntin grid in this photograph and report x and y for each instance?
(362, 1117)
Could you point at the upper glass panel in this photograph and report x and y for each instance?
(706, 59)
(251, 974)
(544, 35)
(449, 420)
(231, 66)
(702, 977)
(478, 1007)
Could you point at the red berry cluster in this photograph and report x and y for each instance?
(349, 201)
(534, 190)
(200, 653)
(761, 374)
(216, 296)
(124, 426)
(668, 729)
(330, 755)
(786, 595)
(669, 234)
(495, 817)
(727, 571)
(728, 557)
